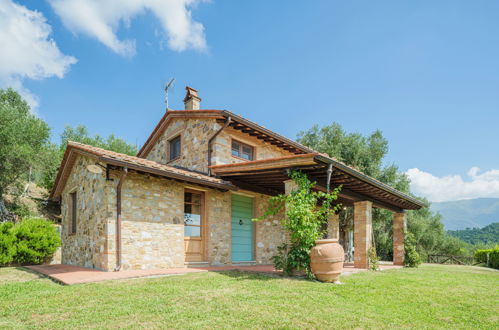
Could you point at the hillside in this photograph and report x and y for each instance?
(34, 203)
(487, 235)
(469, 213)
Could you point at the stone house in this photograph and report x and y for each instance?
(188, 197)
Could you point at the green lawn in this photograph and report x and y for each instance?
(432, 296)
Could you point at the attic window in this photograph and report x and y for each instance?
(242, 150)
(174, 148)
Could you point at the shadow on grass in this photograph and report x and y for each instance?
(30, 271)
(242, 275)
(17, 274)
(39, 275)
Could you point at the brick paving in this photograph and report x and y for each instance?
(67, 274)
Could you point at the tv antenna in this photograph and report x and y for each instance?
(167, 87)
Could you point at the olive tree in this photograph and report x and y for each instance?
(22, 137)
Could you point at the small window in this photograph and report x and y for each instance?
(242, 150)
(73, 215)
(192, 214)
(175, 148)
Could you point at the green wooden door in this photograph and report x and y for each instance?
(242, 228)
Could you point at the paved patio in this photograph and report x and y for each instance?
(67, 274)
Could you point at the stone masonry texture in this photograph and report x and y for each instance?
(362, 232)
(399, 223)
(152, 222)
(87, 247)
(153, 208)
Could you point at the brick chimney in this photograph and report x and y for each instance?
(192, 101)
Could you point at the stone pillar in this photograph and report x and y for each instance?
(289, 186)
(399, 224)
(333, 227)
(362, 221)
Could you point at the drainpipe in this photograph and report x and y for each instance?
(329, 173)
(210, 141)
(118, 219)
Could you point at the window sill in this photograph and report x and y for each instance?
(241, 158)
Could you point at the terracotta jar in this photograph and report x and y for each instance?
(326, 260)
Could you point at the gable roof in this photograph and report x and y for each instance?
(237, 122)
(134, 163)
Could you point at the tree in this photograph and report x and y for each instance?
(80, 134)
(367, 153)
(22, 137)
(486, 236)
(53, 154)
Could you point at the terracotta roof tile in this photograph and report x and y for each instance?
(132, 161)
(141, 161)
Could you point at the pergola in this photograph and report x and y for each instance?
(271, 177)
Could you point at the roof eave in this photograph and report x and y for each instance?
(255, 126)
(224, 186)
(72, 151)
(369, 180)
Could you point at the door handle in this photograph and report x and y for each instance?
(240, 222)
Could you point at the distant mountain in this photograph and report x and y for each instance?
(468, 213)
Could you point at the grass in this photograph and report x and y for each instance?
(432, 296)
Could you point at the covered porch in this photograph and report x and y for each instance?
(359, 191)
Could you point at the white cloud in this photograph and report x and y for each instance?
(27, 50)
(453, 187)
(101, 19)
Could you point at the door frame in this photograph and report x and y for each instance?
(204, 225)
(253, 212)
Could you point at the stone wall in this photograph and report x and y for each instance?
(194, 134)
(269, 233)
(86, 248)
(222, 153)
(152, 222)
(152, 228)
(218, 206)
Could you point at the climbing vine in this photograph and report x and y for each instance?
(306, 214)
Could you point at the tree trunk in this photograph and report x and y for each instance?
(5, 215)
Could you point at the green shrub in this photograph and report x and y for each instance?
(20, 209)
(481, 255)
(411, 258)
(490, 257)
(494, 259)
(36, 240)
(373, 259)
(7, 243)
(306, 213)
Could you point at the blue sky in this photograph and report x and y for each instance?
(424, 72)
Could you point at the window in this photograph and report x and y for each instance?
(242, 150)
(192, 214)
(73, 205)
(175, 148)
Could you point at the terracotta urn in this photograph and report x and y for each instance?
(326, 260)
